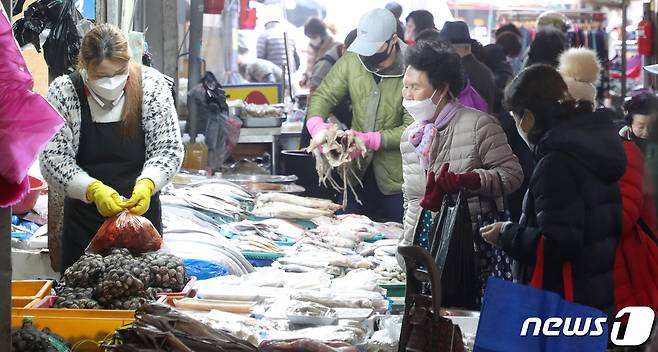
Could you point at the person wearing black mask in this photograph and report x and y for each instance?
(370, 73)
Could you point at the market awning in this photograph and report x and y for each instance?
(298, 11)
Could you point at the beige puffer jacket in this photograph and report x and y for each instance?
(472, 141)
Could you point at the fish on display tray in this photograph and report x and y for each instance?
(284, 227)
(288, 211)
(220, 186)
(267, 229)
(251, 243)
(288, 206)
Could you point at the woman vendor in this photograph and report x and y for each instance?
(121, 139)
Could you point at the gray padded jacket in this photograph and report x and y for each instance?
(472, 141)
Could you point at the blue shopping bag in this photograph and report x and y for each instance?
(517, 317)
(506, 307)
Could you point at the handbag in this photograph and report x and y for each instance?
(62, 46)
(423, 329)
(451, 245)
(514, 317)
(492, 261)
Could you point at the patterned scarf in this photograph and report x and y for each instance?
(423, 133)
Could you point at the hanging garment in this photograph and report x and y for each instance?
(221, 131)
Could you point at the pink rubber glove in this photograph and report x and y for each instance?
(372, 140)
(316, 124)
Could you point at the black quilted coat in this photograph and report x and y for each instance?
(574, 201)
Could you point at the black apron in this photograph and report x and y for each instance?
(110, 158)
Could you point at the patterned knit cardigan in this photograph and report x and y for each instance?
(164, 148)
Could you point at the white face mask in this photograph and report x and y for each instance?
(421, 110)
(108, 89)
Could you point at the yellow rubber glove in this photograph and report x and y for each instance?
(107, 200)
(141, 199)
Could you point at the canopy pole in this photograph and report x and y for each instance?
(194, 61)
(5, 256)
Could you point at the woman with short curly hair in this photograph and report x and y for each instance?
(450, 148)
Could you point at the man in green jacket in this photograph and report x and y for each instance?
(371, 73)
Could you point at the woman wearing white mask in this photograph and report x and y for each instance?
(573, 207)
(121, 138)
(449, 147)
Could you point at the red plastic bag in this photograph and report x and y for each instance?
(126, 230)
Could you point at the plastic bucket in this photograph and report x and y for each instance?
(302, 164)
(25, 205)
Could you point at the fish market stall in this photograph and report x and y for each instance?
(269, 269)
(312, 275)
(315, 277)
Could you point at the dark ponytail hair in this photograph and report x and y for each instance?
(541, 90)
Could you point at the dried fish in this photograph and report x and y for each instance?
(331, 300)
(288, 211)
(224, 187)
(311, 309)
(315, 203)
(284, 228)
(304, 344)
(212, 204)
(337, 150)
(217, 196)
(257, 244)
(248, 227)
(159, 327)
(293, 268)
